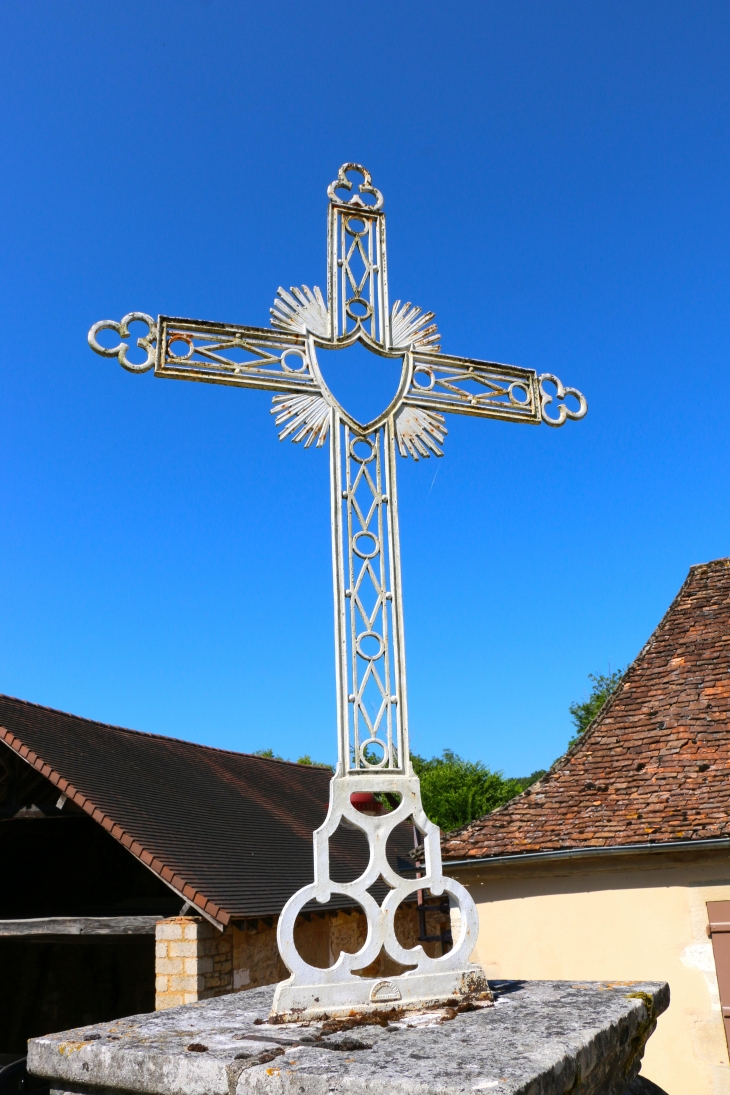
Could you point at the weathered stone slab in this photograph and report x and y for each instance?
(539, 1038)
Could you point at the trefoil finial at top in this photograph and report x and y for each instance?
(365, 187)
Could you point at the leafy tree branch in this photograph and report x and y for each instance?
(583, 714)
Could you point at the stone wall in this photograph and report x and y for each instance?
(195, 961)
(256, 958)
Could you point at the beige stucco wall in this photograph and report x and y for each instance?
(618, 918)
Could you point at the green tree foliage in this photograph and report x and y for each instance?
(268, 753)
(455, 791)
(527, 781)
(584, 713)
(306, 759)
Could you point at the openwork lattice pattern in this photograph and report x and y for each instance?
(359, 285)
(372, 701)
(248, 357)
(373, 705)
(480, 388)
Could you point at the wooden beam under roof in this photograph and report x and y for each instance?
(80, 925)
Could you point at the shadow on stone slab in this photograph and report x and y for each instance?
(642, 1086)
(504, 988)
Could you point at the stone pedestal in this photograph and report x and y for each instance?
(541, 1038)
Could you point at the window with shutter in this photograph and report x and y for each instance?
(718, 913)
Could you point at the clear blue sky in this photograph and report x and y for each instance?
(556, 182)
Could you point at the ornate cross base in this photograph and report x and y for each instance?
(311, 992)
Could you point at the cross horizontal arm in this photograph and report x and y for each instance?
(486, 389)
(214, 353)
(222, 353)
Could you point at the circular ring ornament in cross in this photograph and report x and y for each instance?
(370, 664)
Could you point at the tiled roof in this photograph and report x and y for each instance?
(231, 832)
(655, 765)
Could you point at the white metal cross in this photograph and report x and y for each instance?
(372, 708)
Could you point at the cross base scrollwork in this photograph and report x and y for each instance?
(312, 992)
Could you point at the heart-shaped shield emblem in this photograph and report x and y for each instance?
(364, 382)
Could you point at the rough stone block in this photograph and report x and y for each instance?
(168, 965)
(241, 978)
(169, 1000)
(168, 930)
(184, 949)
(185, 983)
(161, 950)
(545, 1038)
(160, 984)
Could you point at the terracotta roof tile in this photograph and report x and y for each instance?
(655, 764)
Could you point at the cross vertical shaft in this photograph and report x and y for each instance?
(369, 641)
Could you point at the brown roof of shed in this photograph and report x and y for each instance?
(654, 767)
(231, 832)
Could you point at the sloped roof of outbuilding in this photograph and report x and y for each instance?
(230, 832)
(654, 767)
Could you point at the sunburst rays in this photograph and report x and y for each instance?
(417, 431)
(307, 418)
(409, 327)
(301, 311)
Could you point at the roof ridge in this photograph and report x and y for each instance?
(598, 719)
(149, 733)
(723, 561)
(607, 749)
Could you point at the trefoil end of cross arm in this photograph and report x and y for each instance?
(561, 393)
(147, 342)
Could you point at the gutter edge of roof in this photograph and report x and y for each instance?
(715, 843)
(214, 913)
